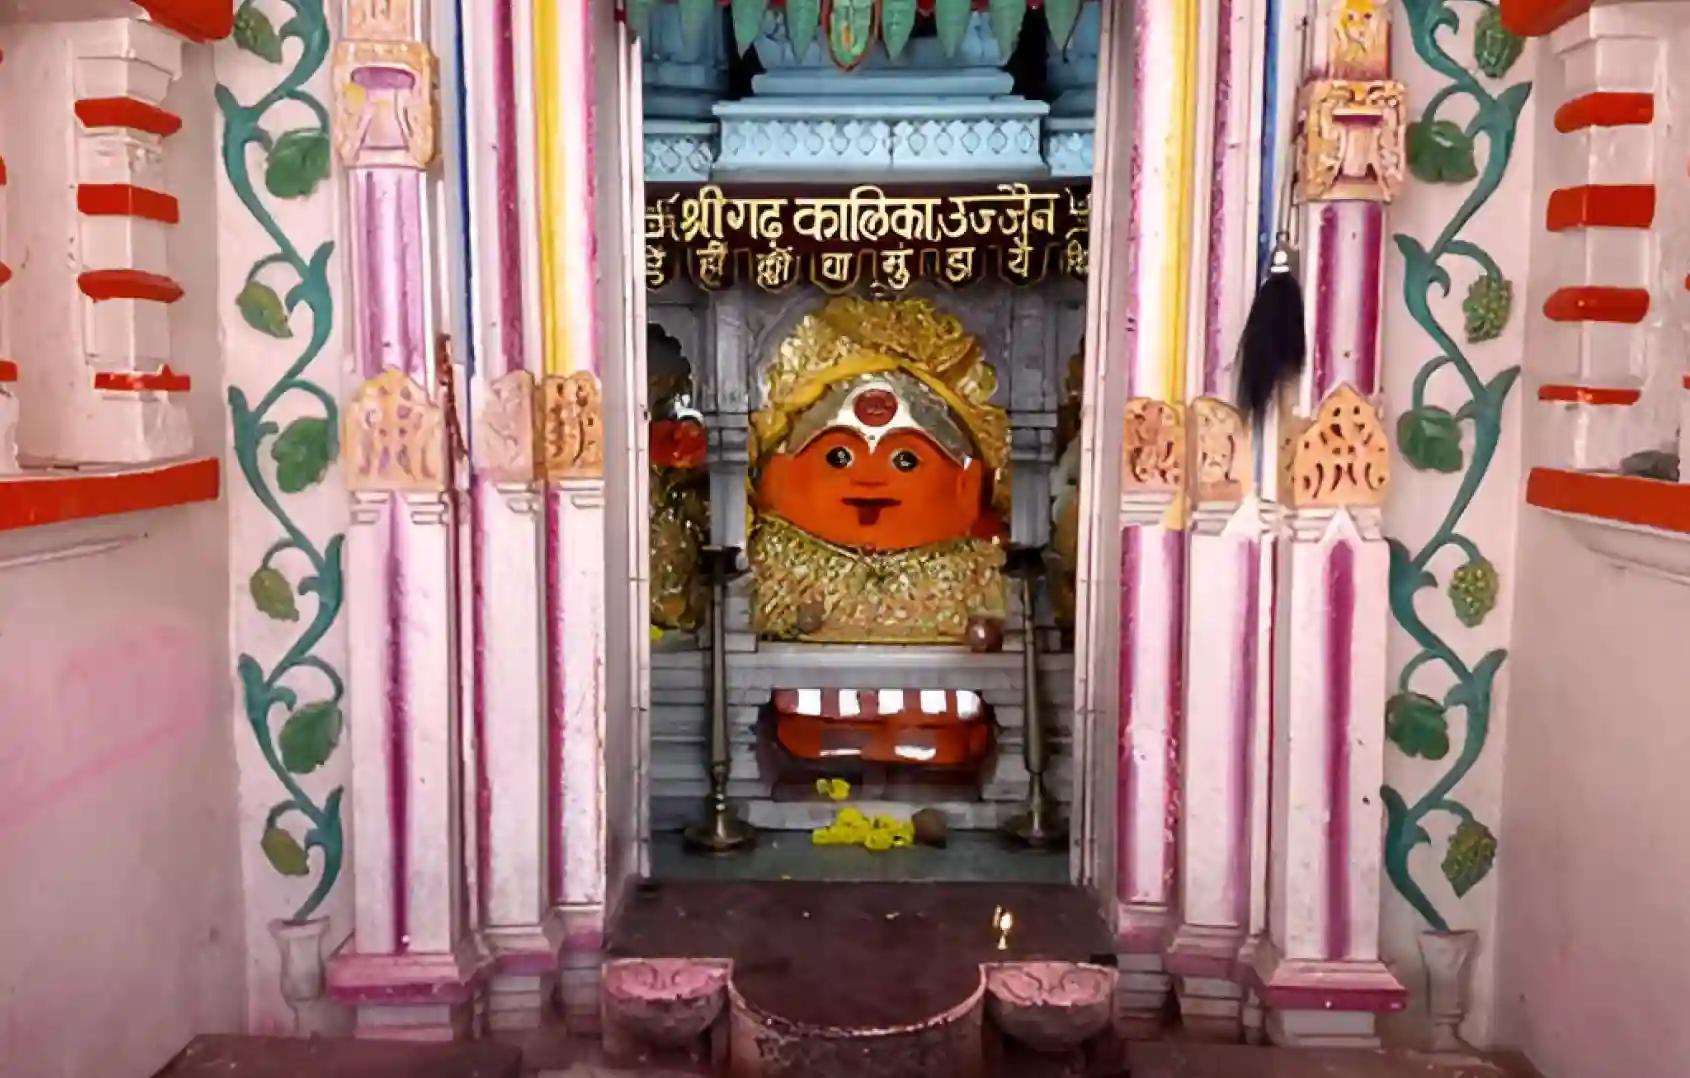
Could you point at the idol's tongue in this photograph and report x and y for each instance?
(868, 509)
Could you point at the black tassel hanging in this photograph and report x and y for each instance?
(1273, 346)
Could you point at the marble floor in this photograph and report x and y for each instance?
(968, 856)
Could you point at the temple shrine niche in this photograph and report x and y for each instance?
(867, 296)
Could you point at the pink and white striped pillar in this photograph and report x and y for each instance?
(412, 968)
(1317, 968)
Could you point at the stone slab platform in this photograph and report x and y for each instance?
(226, 1056)
(858, 955)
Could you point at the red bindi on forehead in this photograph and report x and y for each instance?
(876, 407)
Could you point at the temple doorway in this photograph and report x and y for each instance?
(866, 292)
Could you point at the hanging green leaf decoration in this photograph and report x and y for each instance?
(802, 19)
(1472, 591)
(1495, 47)
(263, 310)
(1430, 439)
(309, 736)
(950, 23)
(1487, 306)
(748, 22)
(1472, 851)
(897, 22)
(638, 14)
(1441, 151)
(297, 163)
(850, 30)
(1415, 723)
(273, 595)
(1062, 16)
(284, 852)
(1006, 17)
(695, 16)
(302, 453)
(254, 32)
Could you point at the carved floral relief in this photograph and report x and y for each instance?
(1340, 458)
(573, 425)
(1154, 451)
(394, 437)
(507, 431)
(1222, 451)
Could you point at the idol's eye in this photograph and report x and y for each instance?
(839, 457)
(905, 460)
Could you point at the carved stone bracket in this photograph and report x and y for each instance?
(1221, 451)
(1353, 140)
(393, 438)
(1154, 446)
(384, 104)
(507, 432)
(573, 425)
(1341, 458)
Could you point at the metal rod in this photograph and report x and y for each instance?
(721, 830)
(1039, 826)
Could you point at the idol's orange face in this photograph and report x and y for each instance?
(903, 493)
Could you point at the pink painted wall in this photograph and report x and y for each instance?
(120, 886)
(1595, 920)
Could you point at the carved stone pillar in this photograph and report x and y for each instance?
(89, 164)
(412, 967)
(509, 702)
(1152, 657)
(575, 536)
(1226, 701)
(1318, 971)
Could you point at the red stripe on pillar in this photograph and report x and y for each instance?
(1601, 205)
(2, 172)
(1532, 18)
(129, 284)
(8, 371)
(1596, 303)
(127, 200)
(163, 380)
(127, 112)
(1589, 394)
(5, 273)
(1605, 108)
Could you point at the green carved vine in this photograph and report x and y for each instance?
(1444, 150)
(295, 160)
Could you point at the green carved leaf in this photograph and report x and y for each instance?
(1472, 851)
(1061, 16)
(1417, 725)
(1006, 17)
(1430, 439)
(850, 31)
(897, 21)
(747, 21)
(302, 453)
(950, 23)
(298, 162)
(286, 855)
(695, 15)
(309, 736)
(1472, 591)
(255, 33)
(263, 309)
(273, 595)
(1487, 306)
(1495, 47)
(802, 19)
(1441, 152)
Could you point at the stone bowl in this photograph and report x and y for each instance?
(664, 1002)
(1050, 1006)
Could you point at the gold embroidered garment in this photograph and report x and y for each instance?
(806, 589)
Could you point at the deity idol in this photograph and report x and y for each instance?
(879, 481)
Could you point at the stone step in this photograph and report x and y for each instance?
(225, 1056)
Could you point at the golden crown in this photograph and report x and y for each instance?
(849, 337)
